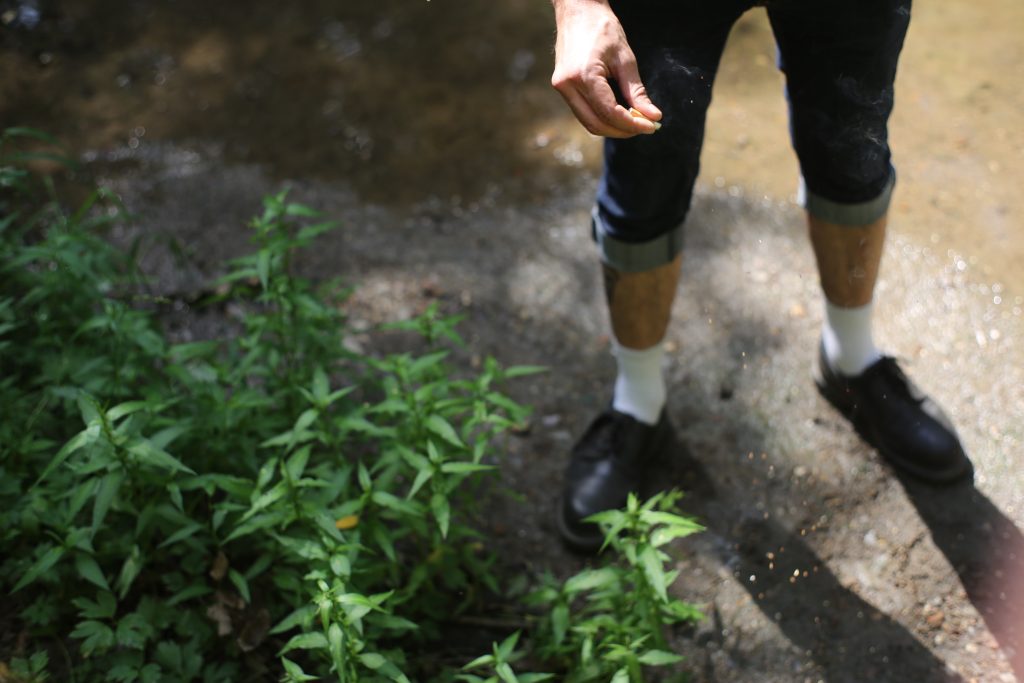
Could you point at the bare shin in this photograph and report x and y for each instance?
(848, 259)
(640, 304)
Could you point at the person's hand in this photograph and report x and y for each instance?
(590, 51)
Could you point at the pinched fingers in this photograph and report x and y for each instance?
(592, 101)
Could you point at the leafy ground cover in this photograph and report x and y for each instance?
(267, 505)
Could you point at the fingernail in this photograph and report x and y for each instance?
(638, 115)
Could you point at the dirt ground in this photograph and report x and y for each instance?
(429, 131)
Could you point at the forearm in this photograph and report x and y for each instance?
(566, 10)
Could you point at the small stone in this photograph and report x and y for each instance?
(797, 311)
(935, 619)
(800, 471)
(431, 287)
(551, 420)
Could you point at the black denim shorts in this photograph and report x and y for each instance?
(839, 58)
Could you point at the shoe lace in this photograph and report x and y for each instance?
(603, 437)
(901, 385)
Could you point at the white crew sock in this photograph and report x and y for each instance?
(640, 385)
(846, 335)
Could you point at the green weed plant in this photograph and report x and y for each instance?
(266, 505)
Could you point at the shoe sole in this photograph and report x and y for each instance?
(588, 545)
(847, 410)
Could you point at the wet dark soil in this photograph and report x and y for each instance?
(429, 131)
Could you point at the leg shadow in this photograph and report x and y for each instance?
(987, 551)
(851, 640)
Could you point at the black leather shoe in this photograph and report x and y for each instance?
(608, 462)
(906, 427)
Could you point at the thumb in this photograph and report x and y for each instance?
(633, 90)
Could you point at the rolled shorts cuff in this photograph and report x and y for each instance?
(858, 214)
(636, 257)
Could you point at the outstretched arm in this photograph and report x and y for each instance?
(591, 51)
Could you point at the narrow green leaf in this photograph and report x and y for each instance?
(303, 616)
(653, 571)
(520, 370)
(296, 464)
(108, 488)
(320, 386)
(465, 467)
(443, 429)
(264, 500)
(420, 364)
(295, 671)
(181, 353)
(26, 132)
(129, 571)
(666, 534)
(442, 512)
(393, 623)
(181, 534)
(165, 436)
(621, 676)
(300, 210)
(393, 502)
(508, 646)
(90, 570)
(255, 524)
(559, 622)
(372, 660)
(391, 405)
(149, 454)
(306, 641)
(84, 437)
(336, 641)
(304, 420)
(364, 477)
(193, 591)
(422, 477)
(123, 409)
(589, 579)
(241, 584)
(310, 231)
(479, 661)
(89, 408)
(263, 268)
(506, 673)
(659, 658)
(40, 566)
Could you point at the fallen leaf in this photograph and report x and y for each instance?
(254, 630)
(347, 522)
(220, 566)
(218, 613)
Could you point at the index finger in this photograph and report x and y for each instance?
(602, 101)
